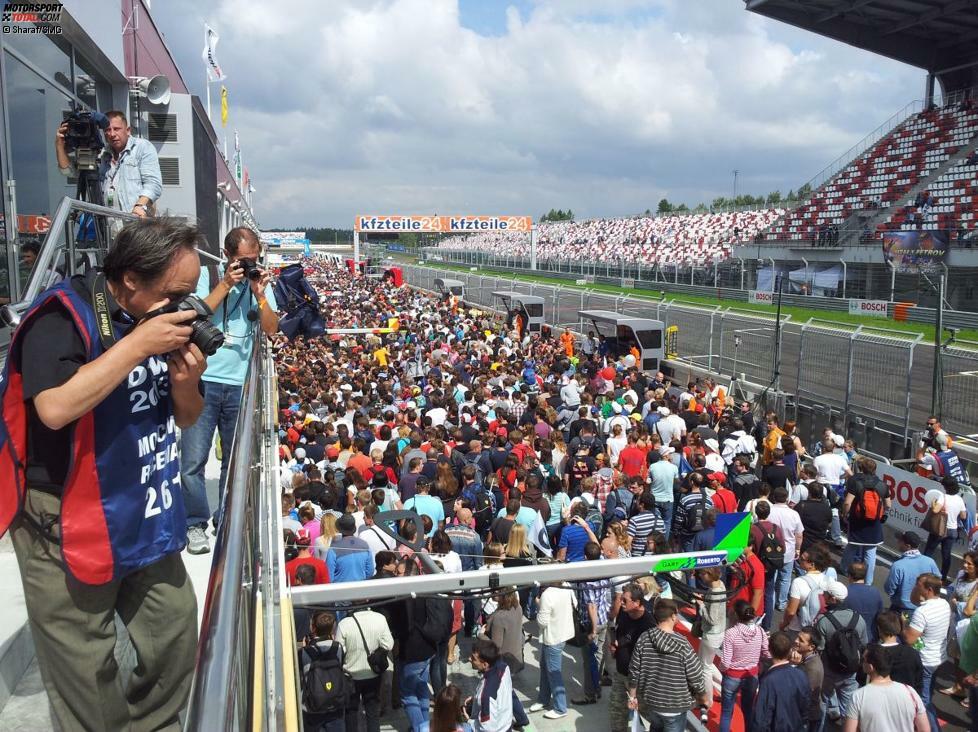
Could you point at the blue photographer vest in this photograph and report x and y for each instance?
(121, 507)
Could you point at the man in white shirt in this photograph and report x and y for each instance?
(790, 522)
(373, 535)
(929, 625)
(670, 427)
(491, 707)
(883, 704)
(832, 465)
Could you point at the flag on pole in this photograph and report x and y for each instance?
(244, 178)
(214, 70)
(539, 537)
(224, 106)
(237, 158)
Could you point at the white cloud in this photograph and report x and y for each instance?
(605, 107)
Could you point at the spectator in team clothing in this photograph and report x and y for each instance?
(302, 543)
(724, 500)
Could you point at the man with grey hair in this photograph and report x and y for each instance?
(242, 300)
(96, 384)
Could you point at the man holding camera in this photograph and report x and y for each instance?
(95, 385)
(129, 173)
(242, 300)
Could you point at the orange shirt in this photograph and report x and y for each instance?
(567, 340)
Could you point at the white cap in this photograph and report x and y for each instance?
(838, 590)
(664, 411)
(839, 440)
(616, 407)
(712, 444)
(300, 453)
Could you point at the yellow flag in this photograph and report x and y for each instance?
(393, 323)
(224, 106)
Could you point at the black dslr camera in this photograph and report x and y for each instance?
(204, 334)
(250, 268)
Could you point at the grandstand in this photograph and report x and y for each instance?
(691, 240)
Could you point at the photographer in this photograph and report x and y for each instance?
(242, 299)
(129, 171)
(92, 395)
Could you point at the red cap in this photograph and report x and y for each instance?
(719, 477)
(332, 452)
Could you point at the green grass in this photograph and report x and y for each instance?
(798, 315)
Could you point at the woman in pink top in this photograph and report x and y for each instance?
(743, 646)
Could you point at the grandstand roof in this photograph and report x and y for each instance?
(936, 35)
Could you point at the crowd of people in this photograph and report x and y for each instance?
(693, 239)
(514, 450)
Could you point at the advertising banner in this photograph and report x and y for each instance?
(912, 495)
(874, 308)
(441, 224)
(913, 252)
(760, 297)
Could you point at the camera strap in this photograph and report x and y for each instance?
(103, 317)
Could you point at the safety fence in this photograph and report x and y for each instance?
(735, 279)
(863, 381)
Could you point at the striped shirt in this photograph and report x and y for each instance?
(743, 647)
(932, 618)
(688, 499)
(666, 671)
(640, 526)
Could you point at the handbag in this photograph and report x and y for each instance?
(935, 522)
(582, 623)
(377, 659)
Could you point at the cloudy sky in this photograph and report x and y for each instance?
(513, 107)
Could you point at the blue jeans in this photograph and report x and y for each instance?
(783, 582)
(439, 667)
(837, 691)
(927, 690)
(860, 553)
(747, 686)
(933, 541)
(414, 693)
(221, 404)
(662, 723)
(665, 512)
(552, 691)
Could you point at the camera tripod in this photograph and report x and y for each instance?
(90, 228)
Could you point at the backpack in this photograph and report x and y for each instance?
(437, 626)
(771, 550)
(868, 505)
(844, 649)
(813, 605)
(617, 509)
(694, 515)
(604, 486)
(483, 507)
(325, 686)
(473, 459)
(595, 519)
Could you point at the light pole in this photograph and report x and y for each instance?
(735, 173)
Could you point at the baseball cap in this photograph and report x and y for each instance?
(664, 411)
(332, 452)
(303, 537)
(636, 416)
(910, 538)
(838, 440)
(346, 524)
(718, 476)
(838, 590)
(712, 444)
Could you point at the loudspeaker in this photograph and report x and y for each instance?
(156, 89)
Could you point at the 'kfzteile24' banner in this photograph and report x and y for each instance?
(912, 252)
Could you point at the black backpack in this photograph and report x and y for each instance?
(694, 515)
(437, 626)
(483, 507)
(325, 686)
(583, 627)
(771, 551)
(844, 649)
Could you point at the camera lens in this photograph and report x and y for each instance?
(206, 336)
(254, 273)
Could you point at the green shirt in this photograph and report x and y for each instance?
(969, 647)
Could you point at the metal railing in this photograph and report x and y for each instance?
(241, 649)
(734, 279)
